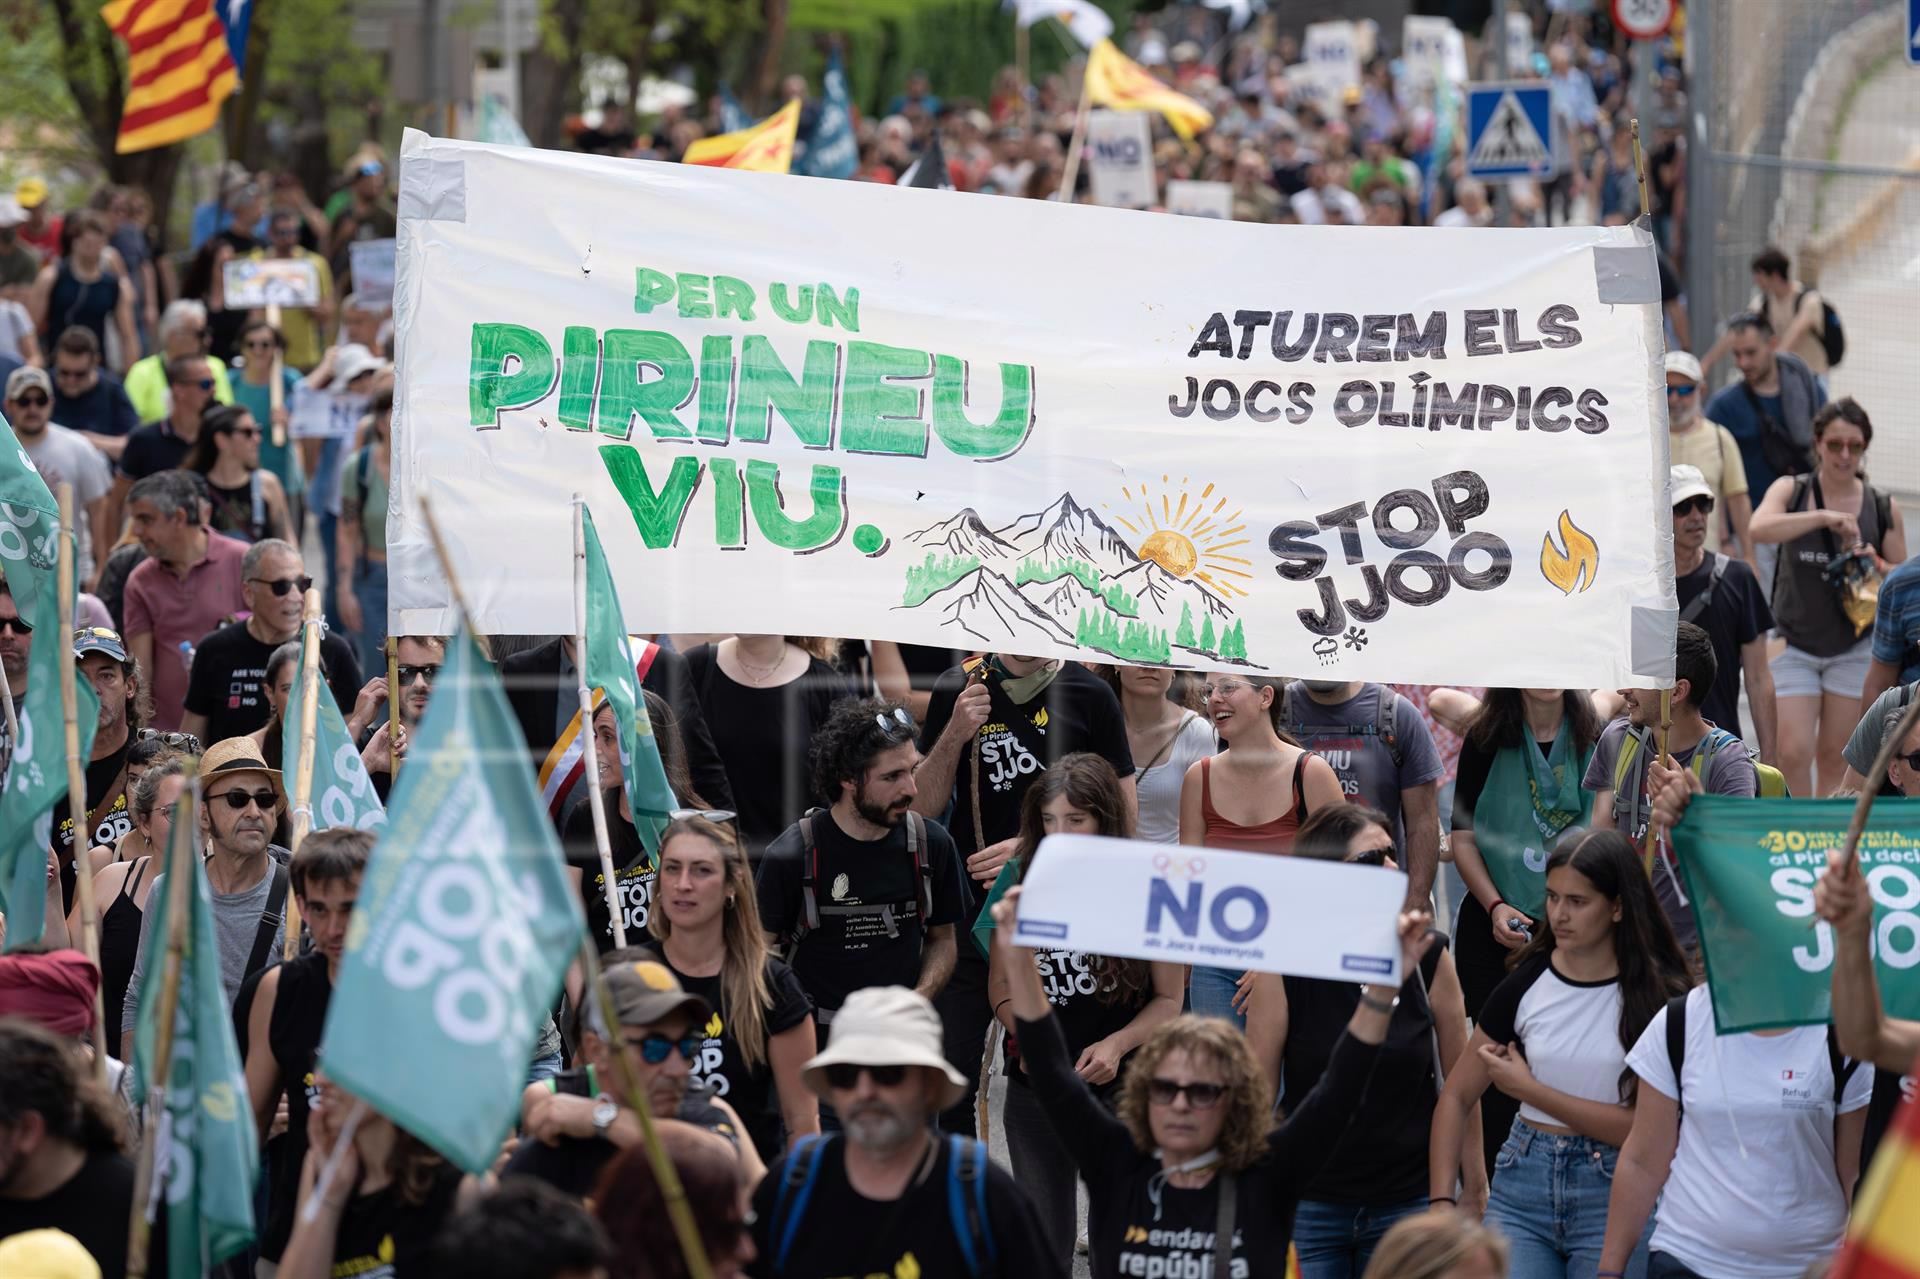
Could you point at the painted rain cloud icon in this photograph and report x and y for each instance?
(1063, 574)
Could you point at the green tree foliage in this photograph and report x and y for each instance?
(1130, 640)
(1183, 635)
(1207, 641)
(934, 574)
(1234, 643)
(1034, 569)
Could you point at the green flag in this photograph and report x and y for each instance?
(341, 794)
(462, 932)
(610, 667)
(34, 767)
(1750, 866)
(207, 1154)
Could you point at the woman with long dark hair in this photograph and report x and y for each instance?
(1554, 1035)
(707, 919)
(1376, 1174)
(248, 502)
(1105, 1007)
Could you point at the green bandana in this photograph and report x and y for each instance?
(1021, 689)
(1528, 801)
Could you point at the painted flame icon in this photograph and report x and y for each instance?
(1574, 568)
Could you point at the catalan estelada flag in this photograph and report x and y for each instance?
(1883, 1241)
(766, 147)
(1117, 81)
(180, 68)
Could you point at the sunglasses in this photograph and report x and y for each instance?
(1683, 392)
(1839, 448)
(18, 625)
(1161, 1092)
(281, 585)
(205, 384)
(895, 725)
(1698, 502)
(718, 816)
(1912, 761)
(656, 1048)
(845, 1075)
(33, 401)
(1372, 856)
(408, 674)
(179, 741)
(238, 799)
(246, 433)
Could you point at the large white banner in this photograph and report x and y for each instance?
(1139, 900)
(835, 408)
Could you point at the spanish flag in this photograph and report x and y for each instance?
(1117, 81)
(766, 147)
(179, 69)
(1883, 1241)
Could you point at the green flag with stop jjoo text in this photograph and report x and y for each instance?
(1750, 866)
(462, 931)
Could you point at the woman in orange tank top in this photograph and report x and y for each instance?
(1251, 797)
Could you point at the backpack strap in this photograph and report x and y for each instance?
(1228, 1207)
(1677, 1045)
(967, 1205)
(1843, 1067)
(1700, 603)
(1386, 704)
(917, 846)
(809, 878)
(796, 1187)
(270, 920)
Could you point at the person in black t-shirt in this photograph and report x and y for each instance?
(888, 1195)
(289, 1009)
(634, 870)
(575, 1123)
(102, 658)
(1733, 613)
(1377, 1173)
(866, 892)
(226, 688)
(761, 1031)
(62, 1165)
(992, 725)
(86, 398)
(524, 1229)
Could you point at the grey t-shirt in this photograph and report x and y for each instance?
(236, 924)
(1870, 734)
(64, 457)
(1345, 735)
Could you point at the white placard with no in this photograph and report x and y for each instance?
(322, 415)
(1183, 905)
(1120, 159)
(1200, 199)
(1332, 49)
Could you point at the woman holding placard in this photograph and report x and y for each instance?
(1105, 1007)
(1554, 1035)
(1193, 1166)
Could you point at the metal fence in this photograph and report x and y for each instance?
(1805, 134)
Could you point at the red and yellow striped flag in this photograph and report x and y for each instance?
(1883, 1241)
(179, 69)
(1117, 81)
(766, 147)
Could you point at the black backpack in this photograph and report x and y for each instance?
(1833, 338)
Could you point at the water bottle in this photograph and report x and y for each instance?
(186, 656)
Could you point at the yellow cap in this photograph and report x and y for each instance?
(31, 193)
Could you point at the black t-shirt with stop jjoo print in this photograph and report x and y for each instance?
(1071, 981)
(723, 1069)
(634, 872)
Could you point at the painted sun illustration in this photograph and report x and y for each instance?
(1189, 534)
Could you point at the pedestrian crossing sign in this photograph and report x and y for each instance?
(1510, 131)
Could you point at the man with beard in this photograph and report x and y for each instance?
(1694, 441)
(867, 891)
(919, 1203)
(246, 872)
(419, 658)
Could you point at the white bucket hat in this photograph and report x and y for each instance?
(885, 1026)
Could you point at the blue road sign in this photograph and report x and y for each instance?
(1913, 33)
(1510, 130)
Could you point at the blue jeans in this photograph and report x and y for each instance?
(370, 589)
(1335, 1241)
(1549, 1199)
(1210, 993)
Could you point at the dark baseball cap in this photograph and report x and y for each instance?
(646, 991)
(98, 639)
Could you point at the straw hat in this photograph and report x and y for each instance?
(238, 755)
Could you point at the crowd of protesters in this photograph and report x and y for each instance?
(820, 985)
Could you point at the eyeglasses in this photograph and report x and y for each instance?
(281, 585)
(1681, 391)
(1161, 1092)
(18, 625)
(656, 1048)
(238, 799)
(1698, 502)
(179, 741)
(844, 1075)
(1372, 856)
(1839, 448)
(34, 400)
(895, 725)
(718, 816)
(246, 433)
(1223, 688)
(408, 674)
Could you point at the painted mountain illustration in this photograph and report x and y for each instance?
(1063, 576)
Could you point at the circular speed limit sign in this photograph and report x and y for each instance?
(1643, 19)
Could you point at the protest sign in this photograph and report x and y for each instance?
(321, 414)
(1030, 426)
(1332, 49)
(1750, 866)
(1423, 48)
(1200, 199)
(372, 264)
(257, 282)
(1120, 159)
(1139, 900)
(1307, 87)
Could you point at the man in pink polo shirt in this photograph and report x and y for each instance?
(189, 584)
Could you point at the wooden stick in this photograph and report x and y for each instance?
(77, 773)
(13, 719)
(276, 381)
(1640, 169)
(1021, 40)
(308, 689)
(393, 711)
(1079, 139)
(694, 1250)
(596, 801)
(181, 870)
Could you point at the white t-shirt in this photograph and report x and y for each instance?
(1569, 1030)
(1773, 1210)
(63, 456)
(1158, 787)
